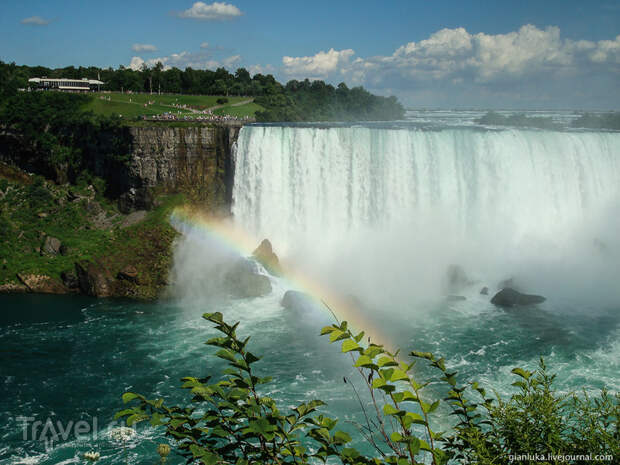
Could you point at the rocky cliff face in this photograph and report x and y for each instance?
(194, 160)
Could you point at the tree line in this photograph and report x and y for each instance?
(296, 101)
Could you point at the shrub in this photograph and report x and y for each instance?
(221, 101)
(230, 422)
(38, 194)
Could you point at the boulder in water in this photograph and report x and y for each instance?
(508, 297)
(296, 300)
(243, 280)
(265, 255)
(455, 298)
(94, 279)
(484, 291)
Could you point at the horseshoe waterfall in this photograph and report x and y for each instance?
(384, 212)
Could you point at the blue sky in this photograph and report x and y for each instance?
(521, 54)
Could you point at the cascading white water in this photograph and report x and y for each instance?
(387, 198)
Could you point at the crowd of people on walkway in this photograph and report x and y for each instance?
(208, 118)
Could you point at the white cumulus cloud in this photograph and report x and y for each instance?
(185, 59)
(36, 21)
(261, 69)
(530, 67)
(319, 65)
(144, 48)
(216, 11)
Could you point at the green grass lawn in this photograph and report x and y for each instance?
(132, 105)
(249, 109)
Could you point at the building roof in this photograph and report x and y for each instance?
(83, 80)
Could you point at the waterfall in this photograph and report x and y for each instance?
(388, 198)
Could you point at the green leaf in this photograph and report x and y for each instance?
(341, 437)
(386, 361)
(398, 375)
(408, 396)
(337, 335)
(424, 445)
(364, 361)
(216, 317)
(251, 358)
(425, 355)
(373, 350)
(411, 417)
(414, 444)
(136, 418)
(327, 330)
(350, 453)
(390, 410)
(450, 378)
(129, 396)
(396, 436)
(378, 383)
(433, 406)
(261, 427)
(522, 373)
(349, 345)
(156, 419)
(226, 355)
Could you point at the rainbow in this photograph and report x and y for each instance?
(229, 235)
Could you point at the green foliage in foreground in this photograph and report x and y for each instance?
(231, 422)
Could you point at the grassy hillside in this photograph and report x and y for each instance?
(131, 106)
(88, 225)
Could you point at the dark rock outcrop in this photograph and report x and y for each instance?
(94, 279)
(243, 280)
(129, 273)
(51, 246)
(136, 199)
(484, 291)
(13, 288)
(265, 255)
(70, 279)
(42, 284)
(296, 300)
(194, 160)
(509, 297)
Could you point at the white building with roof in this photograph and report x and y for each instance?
(71, 85)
